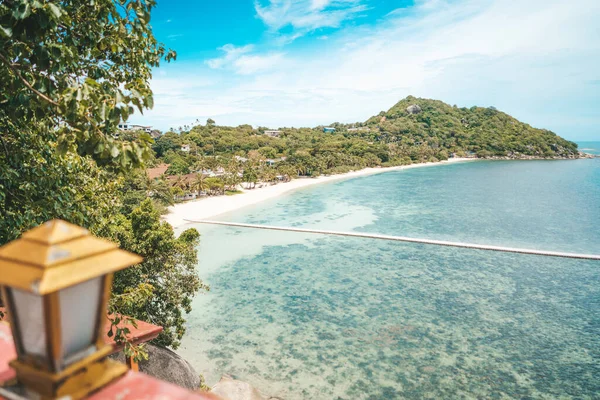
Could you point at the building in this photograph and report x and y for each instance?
(155, 133)
(157, 172)
(359, 129)
(241, 159)
(273, 133)
(185, 148)
(328, 129)
(135, 127)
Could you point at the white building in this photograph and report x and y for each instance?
(185, 148)
(135, 127)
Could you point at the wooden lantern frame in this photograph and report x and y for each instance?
(45, 260)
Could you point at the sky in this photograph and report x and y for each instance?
(281, 63)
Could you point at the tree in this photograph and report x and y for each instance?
(200, 182)
(210, 122)
(69, 73)
(215, 185)
(38, 184)
(160, 289)
(163, 144)
(250, 175)
(72, 71)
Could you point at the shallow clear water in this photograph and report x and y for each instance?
(308, 316)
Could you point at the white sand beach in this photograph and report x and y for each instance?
(209, 207)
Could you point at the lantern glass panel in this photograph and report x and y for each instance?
(29, 310)
(79, 307)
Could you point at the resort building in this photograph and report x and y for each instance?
(328, 129)
(185, 148)
(157, 172)
(273, 133)
(155, 133)
(135, 127)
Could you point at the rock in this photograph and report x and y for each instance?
(232, 389)
(166, 365)
(414, 109)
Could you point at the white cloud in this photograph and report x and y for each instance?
(251, 64)
(319, 4)
(307, 15)
(232, 53)
(238, 60)
(532, 59)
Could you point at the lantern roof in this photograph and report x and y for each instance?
(57, 255)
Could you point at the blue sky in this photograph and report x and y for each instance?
(283, 63)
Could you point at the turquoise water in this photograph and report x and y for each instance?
(315, 317)
(589, 147)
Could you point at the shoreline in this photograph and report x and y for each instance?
(210, 207)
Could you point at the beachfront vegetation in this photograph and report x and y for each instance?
(70, 72)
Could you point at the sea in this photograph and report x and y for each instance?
(305, 316)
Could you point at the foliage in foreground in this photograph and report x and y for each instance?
(78, 68)
(161, 288)
(70, 72)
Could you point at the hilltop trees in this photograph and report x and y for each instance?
(485, 131)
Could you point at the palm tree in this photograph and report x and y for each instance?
(199, 183)
(250, 175)
(160, 191)
(288, 172)
(267, 174)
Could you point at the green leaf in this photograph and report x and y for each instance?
(54, 10)
(114, 151)
(22, 11)
(5, 32)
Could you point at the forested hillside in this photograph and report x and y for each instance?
(414, 130)
(486, 131)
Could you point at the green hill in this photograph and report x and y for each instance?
(414, 130)
(485, 131)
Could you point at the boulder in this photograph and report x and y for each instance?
(166, 365)
(413, 109)
(232, 389)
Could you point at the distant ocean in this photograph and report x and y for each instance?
(316, 317)
(589, 147)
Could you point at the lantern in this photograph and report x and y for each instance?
(56, 282)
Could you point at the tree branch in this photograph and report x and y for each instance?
(25, 82)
